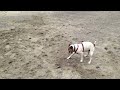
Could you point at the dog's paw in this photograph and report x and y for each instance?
(85, 55)
(81, 60)
(89, 62)
(68, 58)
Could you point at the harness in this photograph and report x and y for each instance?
(82, 46)
(78, 47)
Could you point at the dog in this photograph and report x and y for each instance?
(81, 48)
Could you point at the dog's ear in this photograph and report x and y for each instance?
(69, 44)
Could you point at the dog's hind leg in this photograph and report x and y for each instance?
(90, 60)
(87, 54)
(91, 54)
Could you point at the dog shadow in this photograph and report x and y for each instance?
(72, 62)
(83, 68)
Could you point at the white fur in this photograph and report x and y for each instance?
(88, 47)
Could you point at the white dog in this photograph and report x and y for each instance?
(81, 48)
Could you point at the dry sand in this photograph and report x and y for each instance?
(33, 45)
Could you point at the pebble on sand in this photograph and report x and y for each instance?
(7, 47)
(106, 48)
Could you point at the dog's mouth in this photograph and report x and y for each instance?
(70, 51)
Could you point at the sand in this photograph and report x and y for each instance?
(33, 45)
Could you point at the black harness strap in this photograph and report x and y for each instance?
(82, 46)
(76, 49)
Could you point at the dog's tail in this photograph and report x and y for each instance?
(94, 43)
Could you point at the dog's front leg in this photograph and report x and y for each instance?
(71, 55)
(81, 57)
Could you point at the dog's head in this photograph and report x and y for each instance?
(70, 48)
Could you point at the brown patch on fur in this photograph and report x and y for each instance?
(70, 49)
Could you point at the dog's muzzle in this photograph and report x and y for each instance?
(70, 51)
